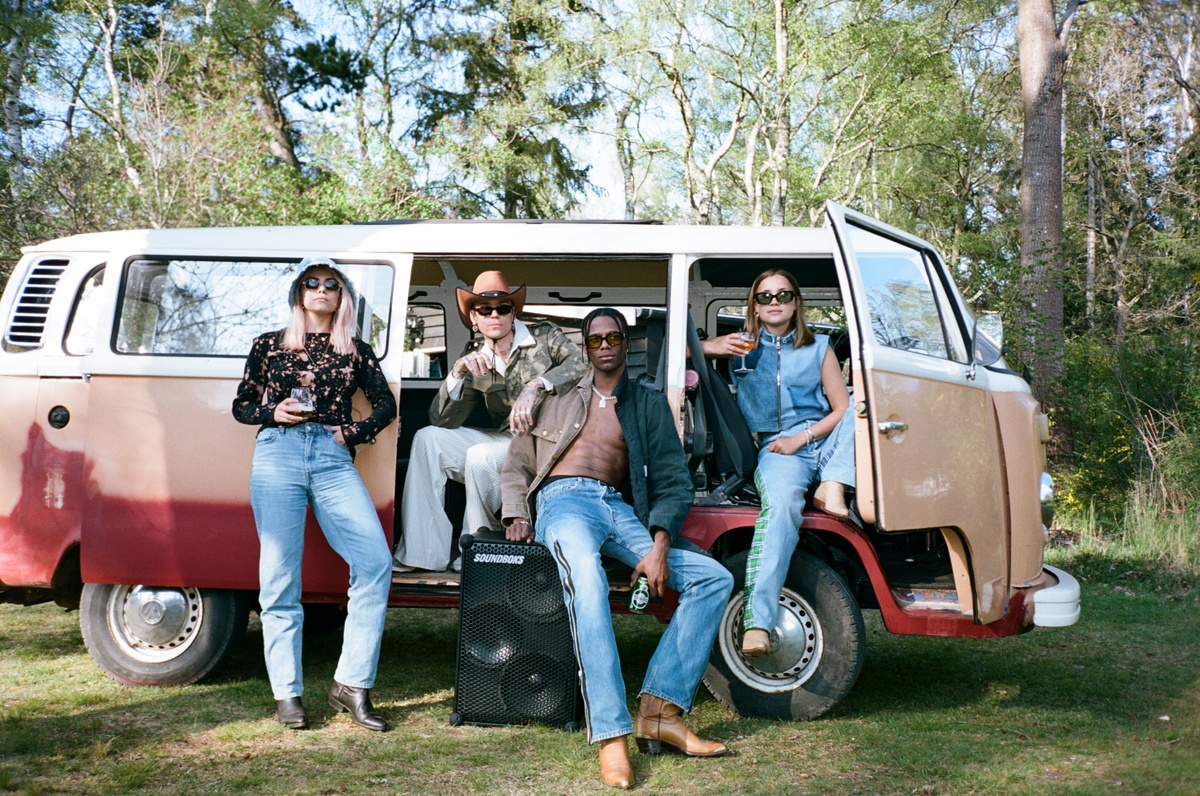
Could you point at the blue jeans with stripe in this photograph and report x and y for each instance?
(580, 518)
(295, 467)
(782, 482)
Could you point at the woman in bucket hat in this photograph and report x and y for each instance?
(507, 367)
(298, 386)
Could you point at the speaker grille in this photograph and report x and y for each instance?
(516, 662)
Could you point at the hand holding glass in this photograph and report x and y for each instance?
(304, 396)
(748, 346)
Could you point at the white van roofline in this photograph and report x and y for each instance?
(460, 237)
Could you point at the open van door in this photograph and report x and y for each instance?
(927, 439)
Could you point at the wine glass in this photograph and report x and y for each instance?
(742, 368)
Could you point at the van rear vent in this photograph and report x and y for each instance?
(28, 323)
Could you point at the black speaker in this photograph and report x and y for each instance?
(515, 660)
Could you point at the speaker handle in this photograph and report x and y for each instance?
(484, 534)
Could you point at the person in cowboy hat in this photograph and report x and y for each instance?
(507, 367)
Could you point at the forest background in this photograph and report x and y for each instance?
(237, 112)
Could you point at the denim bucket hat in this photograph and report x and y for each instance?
(309, 263)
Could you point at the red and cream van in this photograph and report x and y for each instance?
(124, 478)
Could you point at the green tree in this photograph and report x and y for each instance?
(515, 84)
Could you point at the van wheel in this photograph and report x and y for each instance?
(146, 635)
(816, 658)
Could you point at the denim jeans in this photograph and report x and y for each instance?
(782, 482)
(295, 467)
(580, 518)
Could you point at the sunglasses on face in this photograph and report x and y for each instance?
(486, 312)
(614, 339)
(312, 283)
(784, 296)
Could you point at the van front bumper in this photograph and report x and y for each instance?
(1057, 605)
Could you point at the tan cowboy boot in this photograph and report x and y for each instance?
(756, 643)
(615, 769)
(658, 725)
(830, 498)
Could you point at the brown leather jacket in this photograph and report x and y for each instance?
(659, 488)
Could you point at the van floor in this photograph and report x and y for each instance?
(618, 578)
(427, 577)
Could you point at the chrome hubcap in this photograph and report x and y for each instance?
(153, 625)
(796, 645)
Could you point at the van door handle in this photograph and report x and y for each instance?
(893, 426)
(575, 299)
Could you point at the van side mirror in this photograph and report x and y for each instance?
(987, 341)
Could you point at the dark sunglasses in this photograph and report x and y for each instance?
(784, 296)
(614, 339)
(312, 283)
(503, 309)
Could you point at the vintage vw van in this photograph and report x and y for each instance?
(124, 478)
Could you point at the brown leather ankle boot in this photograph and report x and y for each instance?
(830, 498)
(615, 769)
(658, 726)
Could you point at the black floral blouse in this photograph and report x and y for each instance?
(333, 378)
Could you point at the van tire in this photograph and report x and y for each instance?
(145, 635)
(812, 667)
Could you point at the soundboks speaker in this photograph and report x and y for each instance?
(515, 660)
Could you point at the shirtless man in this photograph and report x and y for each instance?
(565, 477)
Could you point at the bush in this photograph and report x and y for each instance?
(1135, 410)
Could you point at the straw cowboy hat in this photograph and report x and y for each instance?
(488, 285)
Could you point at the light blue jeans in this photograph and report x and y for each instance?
(295, 467)
(580, 518)
(782, 482)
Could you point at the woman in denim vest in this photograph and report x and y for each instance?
(298, 386)
(793, 396)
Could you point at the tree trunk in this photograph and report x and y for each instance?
(274, 123)
(110, 24)
(16, 51)
(782, 121)
(1090, 286)
(1043, 53)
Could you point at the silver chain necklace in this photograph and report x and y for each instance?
(604, 399)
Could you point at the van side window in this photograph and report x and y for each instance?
(905, 309)
(81, 331)
(217, 307)
(424, 342)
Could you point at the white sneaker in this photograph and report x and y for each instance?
(398, 567)
(457, 565)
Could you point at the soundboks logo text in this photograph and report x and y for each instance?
(498, 558)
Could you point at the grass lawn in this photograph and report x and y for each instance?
(1110, 706)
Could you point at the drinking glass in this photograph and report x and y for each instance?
(742, 369)
(305, 397)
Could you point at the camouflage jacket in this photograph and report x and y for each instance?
(550, 355)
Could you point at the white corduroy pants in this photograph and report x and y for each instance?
(471, 456)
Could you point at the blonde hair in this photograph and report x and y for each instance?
(804, 335)
(342, 333)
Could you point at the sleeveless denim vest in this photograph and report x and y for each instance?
(777, 399)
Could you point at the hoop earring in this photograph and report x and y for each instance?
(474, 327)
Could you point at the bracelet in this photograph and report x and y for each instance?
(810, 436)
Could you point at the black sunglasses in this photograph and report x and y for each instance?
(614, 339)
(784, 296)
(503, 309)
(312, 283)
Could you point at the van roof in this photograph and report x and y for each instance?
(457, 237)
